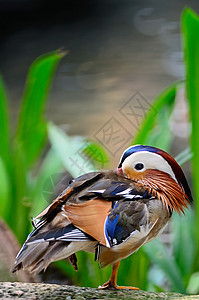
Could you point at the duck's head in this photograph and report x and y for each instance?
(159, 172)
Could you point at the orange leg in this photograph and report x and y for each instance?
(112, 283)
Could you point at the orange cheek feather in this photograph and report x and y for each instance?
(167, 190)
(132, 174)
(162, 186)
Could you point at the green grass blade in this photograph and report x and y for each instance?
(31, 130)
(89, 273)
(5, 191)
(6, 177)
(160, 135)
(69, 151)
(158, 254)
(4, 132)
(193, 285)
(94, 152)
(183, 242)
(19, 213)
(184, 156)
(133, 270)
(50, 166)
(154, 129)
(190, 28)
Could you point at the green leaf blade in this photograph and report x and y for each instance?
(161, 108)
(5, 191)
(183, 242)
(190, 28)
(68, 149)
(4, 132)
(31, 130)
(158, 253)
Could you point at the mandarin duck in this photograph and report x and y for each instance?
(111, 213)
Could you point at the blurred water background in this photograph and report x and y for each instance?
(115, 48)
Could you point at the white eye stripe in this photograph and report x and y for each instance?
(150, 160)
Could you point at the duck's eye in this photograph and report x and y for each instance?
(139, 166)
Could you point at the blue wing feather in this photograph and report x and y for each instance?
(113, 231)
(110, 227)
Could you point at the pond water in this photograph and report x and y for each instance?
(117, 50)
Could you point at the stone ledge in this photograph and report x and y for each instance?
(40, 291)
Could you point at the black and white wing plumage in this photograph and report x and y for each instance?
(100, 208)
